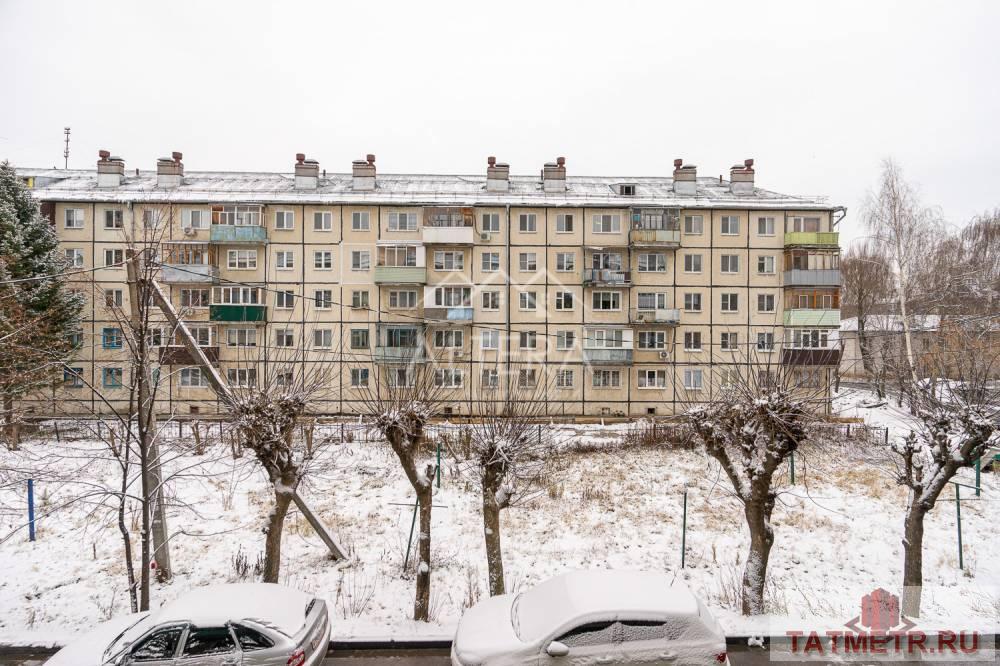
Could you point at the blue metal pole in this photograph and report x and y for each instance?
(31, 509)
(979, 473)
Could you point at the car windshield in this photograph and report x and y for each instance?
(127, 637)
(539, 610)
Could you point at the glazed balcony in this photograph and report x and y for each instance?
(179, 355)
(813, 238)
(607, 356)
(455, 314)
(812, 317)
(655, 237)
(189, 273)
(400, 274)
(812, 278)
(666, 316)
(597, 277)
(230, 233)
(810, 356)
(238, 313)
(399, 355)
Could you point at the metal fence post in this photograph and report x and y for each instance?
(958, 516)
(684, 522)
(791, 466)
(979, 472)
(409, 540)
(31, 509)
(438, 469)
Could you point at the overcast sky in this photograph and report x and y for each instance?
(817, 92)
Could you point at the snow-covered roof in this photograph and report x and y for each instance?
(404, 189)
(883, 322)
(213, 605)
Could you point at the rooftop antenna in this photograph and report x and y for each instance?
(66, 151)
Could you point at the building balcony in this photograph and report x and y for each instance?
(238, 313)
(179, 355)
(655, 237)
(810, 356)
(229, 233)
(189, 273)
(812, 278)
(456, 314)
(400, 275)
(667, 316)
(606, 356)
(812, 317)
(448, 235)
(817, 238)
(399, 355)
(594, 277)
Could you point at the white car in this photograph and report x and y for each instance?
(247, 624)
(587, 617)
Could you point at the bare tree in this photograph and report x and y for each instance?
(399, 403)
(866, 279)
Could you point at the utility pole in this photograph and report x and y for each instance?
(152, 477)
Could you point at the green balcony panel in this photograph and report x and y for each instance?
(228, 233)
(822, 238)
(811, 317)
(250, 313)
(400, 275)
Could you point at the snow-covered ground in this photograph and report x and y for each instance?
(837, 535)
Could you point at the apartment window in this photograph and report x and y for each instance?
(113, 298)
(283, 337)
(359, 299)
(453, 297)
(402, 299)
(111, 338)
(765, 264)
(360, 221)
(607, 300)
(284, 219)
(606, 224)
(323, 299)
(730, 263)
(692, 302)
(236, 215)
(564, 379)
(114, 258)
(73, 378)
(154, 337)
(527, 223)
(730, 225)
(730, 302)
(765, 302)
(151, 219)
(765, 341)
(242, 376)
(810, 339)
(402, 221)
(449, 261)
(284, 299)
(111, 377)
(202, 335)
(73, 218)
(284, 260)
(489, 339)
(827, 301)
(400, 377)
(323, 260)
(601, 338)
(607, 379)
(113, 219)
(564, 300)
(564, 223)
(692, 341)
(527, 300)
(491, 222)
(399, 255)
(490, 379)
(527, 378)
(694, 225)
(807, 224)
(651, 300)
(693, 379)
(627, 190)
(491, 300)
(322, 221)
(242, 259)
(74, 258)
(359, 377)
(652, 340)
(765, 226)
(729, 341)
(692, 263)
(322, 338)
(284, 378)
(448, 378)
(359, 338)
(606, 261)
(565, 262)
(565, 340)
(491, 262)
(528, 340)
(449, 339)
(241, 337)
(652, 379)
(194, 219)
(361, 260)
(75, 339)
(652, 263)
(528, 261)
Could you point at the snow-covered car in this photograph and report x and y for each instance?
(251, 624)
(602, 617)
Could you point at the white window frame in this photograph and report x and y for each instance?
(490, 223)
(561, 298)
(402, 221)
(729, 303)
(489, 339)
(323, 260)
(324, 220)
(284, 220)
(765, 342)
(360, 377)
(694, 225)
(565, 340)
(246, 257)
(561, 223)
(491, 262)
(74, 256)
(527, 301)
(690, 377)
(73, 218)
(659, 379)
(113, 256)
(527, 262)
(323, 299)
(729, 341)
(763, 298)
(322, 338)
(694, 296)
(361, 260)
(361, 220)
(726, 264)
(527, 223)
(441, 260)
(403, 299)
(284, 260)
(693, 263)
(193, 378)
(284, 299)
(767, 263)
(564, 378)
(689, 338)
(527, 337)
(491, 295)
(565, 262)
(765, 226)
(614, 298)
(606, 223)
(651, 340)
(659, 262)
(729, 225)
(605, 379)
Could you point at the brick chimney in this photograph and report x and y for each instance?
(497, 176)
(306, 173)
(685, 178)
(364, 174)
(554, 176)
(741, 178)
(110, 170)
(170, 171)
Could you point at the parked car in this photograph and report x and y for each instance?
(253, 624)
(603, 617)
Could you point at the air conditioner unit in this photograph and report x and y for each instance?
(664, 354)
(188, 231)
(640, 316)
(485, 236)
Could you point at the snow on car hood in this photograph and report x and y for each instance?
(88, 649)
(485, 631)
